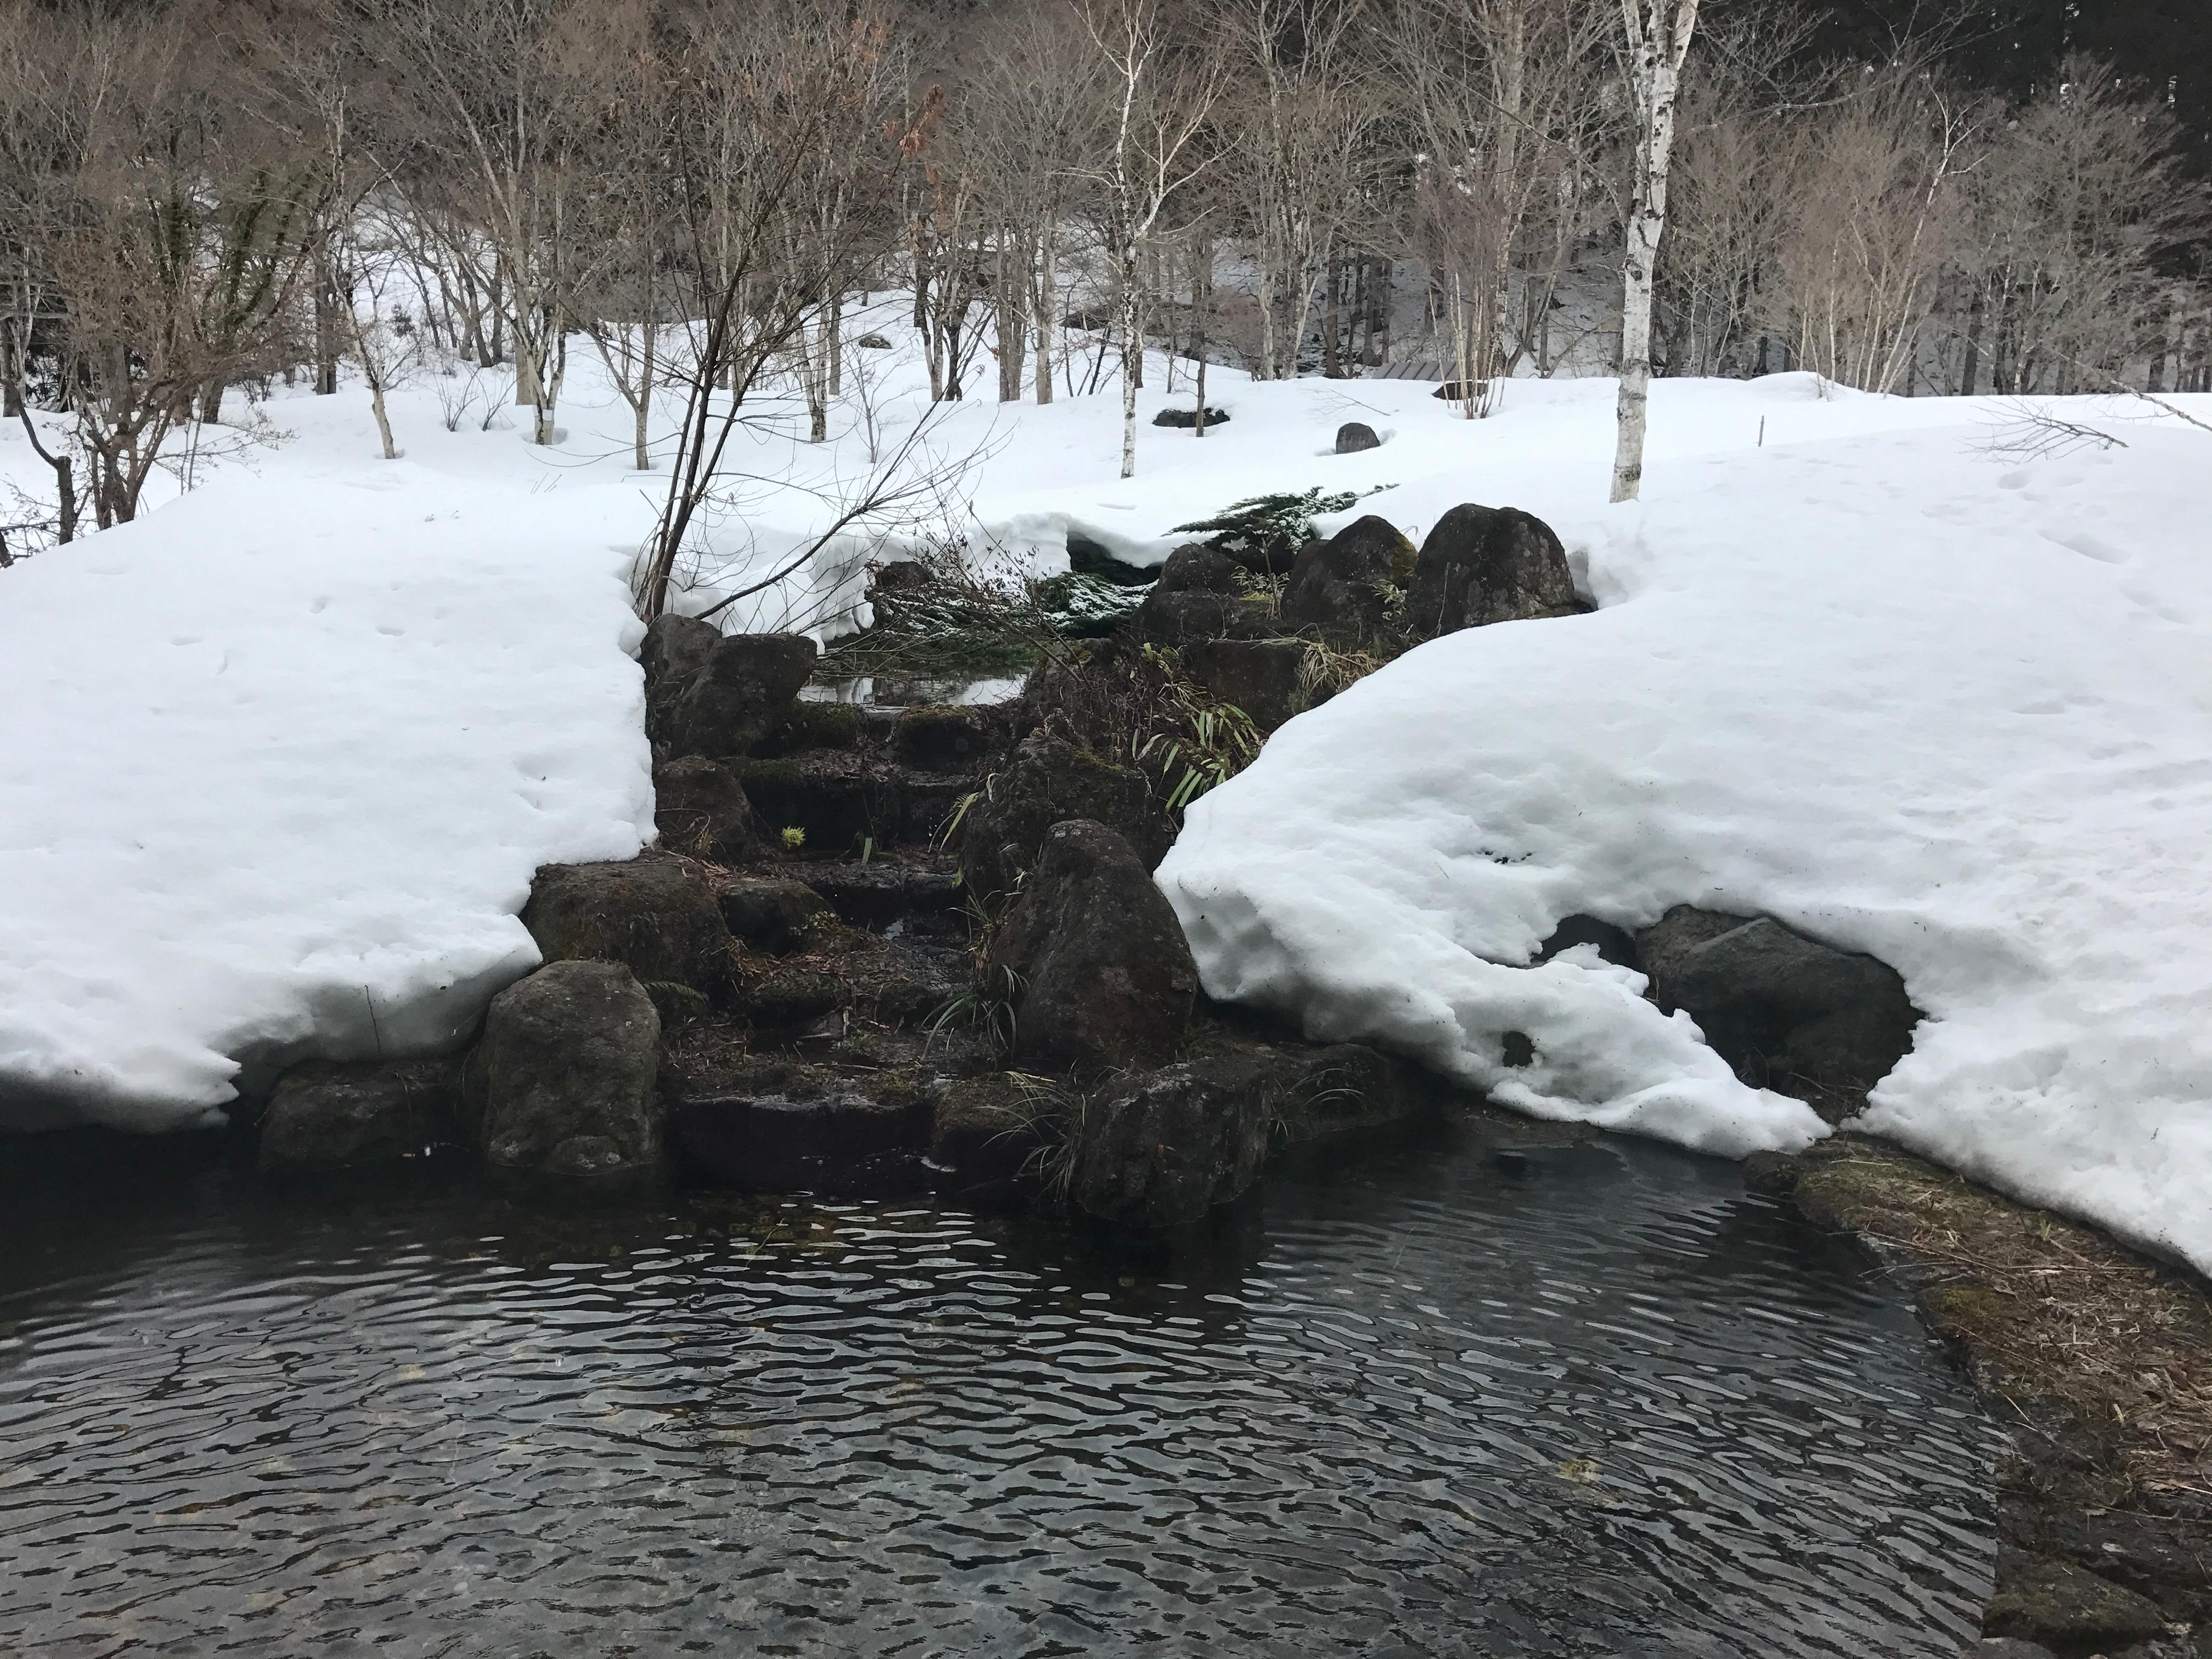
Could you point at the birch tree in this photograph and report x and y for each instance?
(1160, 102)
(1658, 38)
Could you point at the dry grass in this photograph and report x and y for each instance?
(2048, 1310)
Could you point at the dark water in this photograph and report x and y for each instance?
(1425, 1404)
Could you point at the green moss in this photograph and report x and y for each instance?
(816, 726)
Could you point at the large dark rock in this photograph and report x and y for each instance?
(651, 914)
(326, 1116)
(1265, 678)
(560, 1091)
(1776, 1004)
(1100, 974)
(1046, 783)
(701, 810)
(1351, 587)
(2072, 1612)
(1484, 564)
(1161, 1148)
(782, 1126)
(725, 704)
(1353, 436)
(774, 913)
(814, 723)
(1195, 567)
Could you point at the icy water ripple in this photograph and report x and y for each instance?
(1440, 1401)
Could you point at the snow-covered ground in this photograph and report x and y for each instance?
(277, 760)
(1911, 698)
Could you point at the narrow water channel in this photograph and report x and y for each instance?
(1442, 1401)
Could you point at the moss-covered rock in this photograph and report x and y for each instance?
(651, 914)
(560, 1091)
(814, 723)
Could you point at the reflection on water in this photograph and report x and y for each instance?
(909, 690)
(1594, 1402)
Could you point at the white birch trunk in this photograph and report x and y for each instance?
(1659, 33)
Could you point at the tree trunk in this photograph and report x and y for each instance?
(1659, 45)
(1047, 326)
(328, 323)
(644, 408)
(1133, 354)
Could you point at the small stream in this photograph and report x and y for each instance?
(1440, 1399)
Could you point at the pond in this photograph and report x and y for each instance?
(1445, 1399)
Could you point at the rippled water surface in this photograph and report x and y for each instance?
(1439, 1401)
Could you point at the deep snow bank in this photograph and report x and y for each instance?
(1910, 700)
(277, 764)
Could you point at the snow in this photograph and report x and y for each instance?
(1908, 697)
(276, 762)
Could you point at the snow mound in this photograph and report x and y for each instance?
(1910, 700)
(277, 764)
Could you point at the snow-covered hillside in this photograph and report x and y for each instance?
(277, 760)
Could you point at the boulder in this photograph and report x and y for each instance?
(560, 1091)
(1046, 783)
(1187, 418)
(651, 914)
(2067, 1609)
(1265, 678)
(1100, 974)
(783, 1125)
(701, 811)
(1776, 1005)
(1351, 587)
(774, 913)
(1161, 1148)
(326, 1116)
(1194, 567)
(1481, 565)
(1196, 597)
(1355, 435)
(743, 691)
